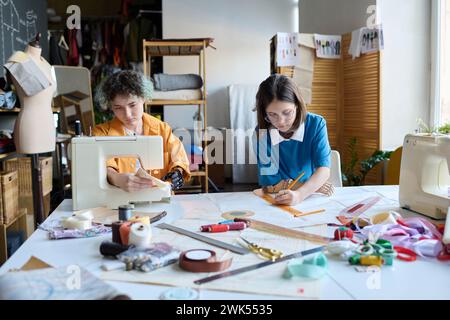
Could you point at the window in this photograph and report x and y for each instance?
(444, 57)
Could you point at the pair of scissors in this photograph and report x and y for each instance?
(266, 253)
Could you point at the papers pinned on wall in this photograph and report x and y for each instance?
(287, 49)
(328, 47)
(366, 40)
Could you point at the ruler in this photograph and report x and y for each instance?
(294, 212)
(281, 231)
(258, 265)
(199, 237)
(361, 206)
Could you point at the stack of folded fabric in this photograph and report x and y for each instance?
(6, 141)
(195, 157)
(8, 97)
(177, 87)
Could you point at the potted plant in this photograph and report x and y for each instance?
(350, 176)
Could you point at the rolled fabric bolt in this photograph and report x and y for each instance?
(111, 249)
(140, 235)
(125, 212)
(125, 232)
(237, 226)
(371, 261)
(115, 232)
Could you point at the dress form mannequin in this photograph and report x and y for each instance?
(34, 130)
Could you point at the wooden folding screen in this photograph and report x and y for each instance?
(346, 92)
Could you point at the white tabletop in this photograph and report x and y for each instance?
(422, 279)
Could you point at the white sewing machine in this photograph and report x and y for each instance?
(425, 175)
(90, 187)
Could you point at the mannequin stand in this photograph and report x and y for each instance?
(38, 199)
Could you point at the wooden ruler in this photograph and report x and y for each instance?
(281, 231)
(294, 212)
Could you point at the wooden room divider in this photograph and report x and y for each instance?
(347, 93)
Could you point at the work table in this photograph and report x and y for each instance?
(422, 279)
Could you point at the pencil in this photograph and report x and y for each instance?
(295, 181)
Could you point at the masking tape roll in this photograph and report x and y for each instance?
(230, 215)
(140, 235)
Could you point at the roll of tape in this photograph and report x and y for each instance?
(230, 215)
(140, 235)
(199, 260)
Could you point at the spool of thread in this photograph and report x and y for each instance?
(77, 127)
(219, 228)
(237, 226)
(215, 228)
(371, 261)
(140, 235)
(115, 232)
(226, 222)
(111, 249)
(343, 233)
(354, 260)
(125, 212)
(125, 232)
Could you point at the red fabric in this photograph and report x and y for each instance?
(73, 57)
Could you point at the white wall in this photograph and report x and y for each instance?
(333, 16)
(405, 68)
(241, 29)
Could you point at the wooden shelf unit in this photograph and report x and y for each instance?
(181, 47)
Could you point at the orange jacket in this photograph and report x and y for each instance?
(174, 153)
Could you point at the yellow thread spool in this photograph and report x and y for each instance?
(371, 261)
